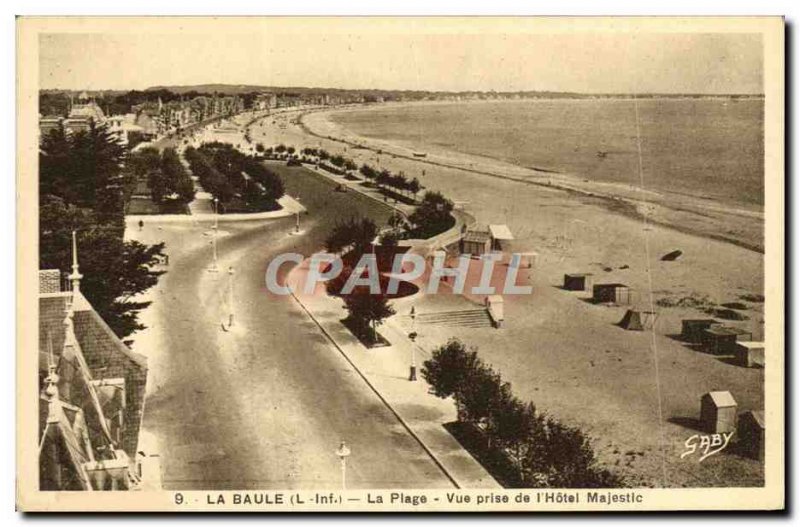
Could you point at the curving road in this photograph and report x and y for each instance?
(264, 405)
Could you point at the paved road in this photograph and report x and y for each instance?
(264, 406)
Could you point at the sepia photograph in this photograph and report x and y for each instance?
(400, 264)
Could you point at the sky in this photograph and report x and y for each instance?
(436, 61)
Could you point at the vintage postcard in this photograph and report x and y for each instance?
(400, 264)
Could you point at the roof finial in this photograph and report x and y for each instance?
(69, 325)
(76, 276)
(51, 390)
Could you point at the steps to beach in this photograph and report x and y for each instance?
(466, 318)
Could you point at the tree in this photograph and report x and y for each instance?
(481, 396)
(514, 426)
(115, 271)
(545, 452)
(357, 233)
(432, 216)
(158, 185)
(368, 172)
(449, 368)
(176, 178)
(414, 187)
(82, 188)
(564, 458)
(366, 311)
(80, 167)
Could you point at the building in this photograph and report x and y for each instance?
(501, 237)
(49, 123)
(721, 340)
(265, 101)
(635, 320)
(751, 434)
(149, 118)
(476, 242)
(83, 115)
(578, 281)
(92, 391)
(692, 329)
(750, 354)
(718, 412)
(612, 294)
(124, 128)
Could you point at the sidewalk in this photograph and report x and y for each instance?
(386, 371)
(289, 207)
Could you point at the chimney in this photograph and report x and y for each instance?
(49, 281)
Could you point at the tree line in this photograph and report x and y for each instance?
(544, 452)
(167, 178)
(84, 182)
(238, 181)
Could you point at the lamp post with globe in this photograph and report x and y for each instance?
(343, 452)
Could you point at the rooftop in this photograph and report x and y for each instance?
(501, 232)
(477, 236)
(721, 399)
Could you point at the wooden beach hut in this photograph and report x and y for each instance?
(612, 294)
(635, 320)
(692, 329)
(501, 237)
(721, 340)
(750, 434)
(476, 242)
(718, 412)
(578, 281)
(750, 354)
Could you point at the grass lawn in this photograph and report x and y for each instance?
(140, 205)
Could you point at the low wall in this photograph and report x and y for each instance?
(289, 207)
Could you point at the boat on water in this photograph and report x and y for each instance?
(420, 154)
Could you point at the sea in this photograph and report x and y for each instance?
(710, 148)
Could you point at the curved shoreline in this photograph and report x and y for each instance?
(741, 227)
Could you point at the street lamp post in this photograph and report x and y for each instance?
(230, 296)
(343, 452)
(412, 374)
(216, 213)
(214, 267)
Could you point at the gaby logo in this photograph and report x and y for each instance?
(706, 445)
(484, 275)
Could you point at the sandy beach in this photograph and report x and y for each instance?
(638, 393)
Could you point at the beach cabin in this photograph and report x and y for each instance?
(750, 354)
(578, 281)
(721, 340)
(612, 294)
(476, 242)
(750, 433)
(494, 305)
(501, 237)
(718, 412)
(635, 320)
(692, 329)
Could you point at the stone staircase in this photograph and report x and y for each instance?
(465, 318)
